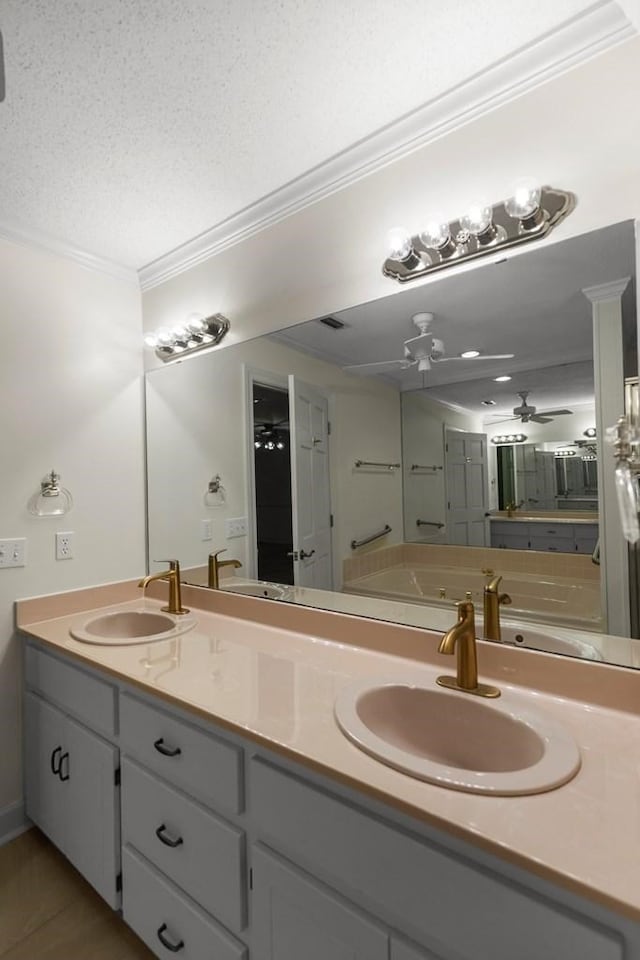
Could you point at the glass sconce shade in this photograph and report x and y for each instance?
(215, 494)
(525, 201)
(627, 492)
(478, 219)
(51, 500)
(399, 245)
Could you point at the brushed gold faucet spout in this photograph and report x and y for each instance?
(462, 637)
(175, 595)
(213, 579)
(492, 601)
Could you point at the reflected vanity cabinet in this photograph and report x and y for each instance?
(229, 852)
(553, 537)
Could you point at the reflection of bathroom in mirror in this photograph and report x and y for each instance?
(399, 473)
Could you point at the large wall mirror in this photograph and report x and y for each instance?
(389, 459)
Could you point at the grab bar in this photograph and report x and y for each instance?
(421, 466)
(374, 536)
(429, 523)
(375, 463)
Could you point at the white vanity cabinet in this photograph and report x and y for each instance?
(72, 773)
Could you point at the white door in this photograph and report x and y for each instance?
(467, 488)
(310, 486)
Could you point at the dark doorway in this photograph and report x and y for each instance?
(272, 457)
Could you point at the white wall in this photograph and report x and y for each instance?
(423, 424)
(71, 400)
(196, 417)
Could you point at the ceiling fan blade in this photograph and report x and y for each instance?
(488, 356)
(554, 413)
(536, 418)
(403, 364)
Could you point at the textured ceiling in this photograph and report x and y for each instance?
(131, 127)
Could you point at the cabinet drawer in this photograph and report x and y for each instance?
(554, 544)
(430, 895)
(201, 853)
(547, 531)
(75, 691)
(200, 763)
(158, 912)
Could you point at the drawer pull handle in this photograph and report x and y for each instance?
(173, 947)
(55, 761)
(63, 776)
(166, 751)
(166, 839)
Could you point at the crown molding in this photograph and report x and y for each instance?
(606, 291)
(597, 29)
(42, 241)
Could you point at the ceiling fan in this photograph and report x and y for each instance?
(526, 413)
(424, 350)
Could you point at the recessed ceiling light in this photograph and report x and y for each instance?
(488, 403)
(502, 379)
(470, 354)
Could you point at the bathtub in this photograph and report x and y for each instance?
(562, 600)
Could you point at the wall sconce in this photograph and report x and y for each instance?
(196, 333)
(626, 442)
(51, 500)
(510, 438)
(528, 214)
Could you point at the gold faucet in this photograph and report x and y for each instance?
(214, 568)
(173, 576)
(463, 637)
(492, 601)
(512, 506)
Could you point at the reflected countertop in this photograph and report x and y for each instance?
(547, 516)
(277, 687)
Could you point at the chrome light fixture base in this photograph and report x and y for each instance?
(213, 329)
(507, 231)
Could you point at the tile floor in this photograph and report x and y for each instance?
(48, 912)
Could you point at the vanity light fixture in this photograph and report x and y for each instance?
(509, 438)
(529, 213)
(196, 333)
(564, 453)
(51, 500)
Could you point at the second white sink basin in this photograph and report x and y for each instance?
(457, 740)
(132, 626)
(269, 590)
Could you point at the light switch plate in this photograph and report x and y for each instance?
(236, 527)
(206, 529)
(13, 553)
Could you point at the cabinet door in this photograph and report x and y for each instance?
(295, 917)
(44, 746)
(92, 840)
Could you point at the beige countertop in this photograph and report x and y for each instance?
(541, 516)
(277, 686)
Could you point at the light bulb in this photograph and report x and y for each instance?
(195, 323)
(399, 245)
(257, 444)
(179, 331)
(525, 201)
(280, 445)
(164, 336)
(436, 234)
(501, 379)
(478, 218)
(470, 354)
(151, 341)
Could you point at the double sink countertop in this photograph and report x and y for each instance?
(271, 672)
(547, 516)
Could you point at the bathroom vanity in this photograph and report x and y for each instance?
(201, 784)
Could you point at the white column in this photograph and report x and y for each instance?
(606, 304)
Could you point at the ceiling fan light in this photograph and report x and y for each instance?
(503, 379)
(470, 354)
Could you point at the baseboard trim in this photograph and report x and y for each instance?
(13, 822)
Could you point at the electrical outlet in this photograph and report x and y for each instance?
(236, 527)
(206, 529)
(13, 553)
(64, 546)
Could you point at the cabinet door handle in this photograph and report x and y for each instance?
(55, 761)
(164, 837)
(166, 751)
(173, 947)
(63, 777)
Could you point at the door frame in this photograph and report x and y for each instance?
(279, 381)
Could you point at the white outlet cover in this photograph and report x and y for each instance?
(64, 545)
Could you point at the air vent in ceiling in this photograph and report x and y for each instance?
(332, 322)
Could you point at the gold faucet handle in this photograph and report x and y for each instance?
(505, 599)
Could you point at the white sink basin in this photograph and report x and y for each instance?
(457, 740)
(132, 626)
(524, 636)
(269, 590)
